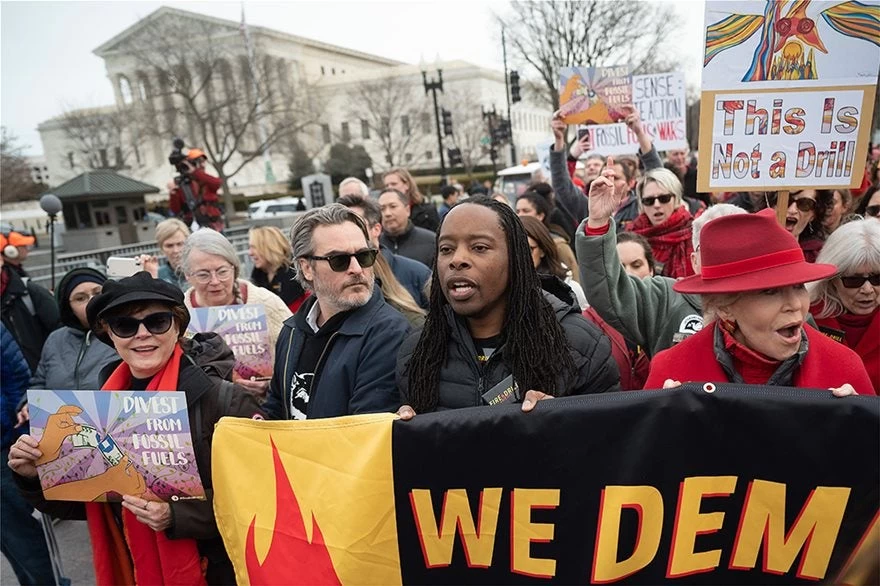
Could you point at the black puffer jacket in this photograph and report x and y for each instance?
(206, 363)
(463, 380)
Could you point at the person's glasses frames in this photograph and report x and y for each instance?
(664, 199)
(204, 277)
(80, 298)
(126, 327)
(856, 281)
(339, 263)
(804, 204)
(873, 210)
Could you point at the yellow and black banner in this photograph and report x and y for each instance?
(746, 485)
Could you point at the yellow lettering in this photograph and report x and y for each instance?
(689, 523)
(814, 531)
(437, 543)
(648, 502)
(523, 532)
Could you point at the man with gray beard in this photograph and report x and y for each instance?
(336, 355)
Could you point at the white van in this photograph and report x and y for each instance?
(275, 208)
(513, 181)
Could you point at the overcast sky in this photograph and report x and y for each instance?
(47, 64)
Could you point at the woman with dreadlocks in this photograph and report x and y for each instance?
(489, 320)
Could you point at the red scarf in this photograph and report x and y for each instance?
(670, 241)
(157, 559)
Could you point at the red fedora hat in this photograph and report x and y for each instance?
(749, 252)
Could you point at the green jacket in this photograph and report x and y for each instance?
(646, 311)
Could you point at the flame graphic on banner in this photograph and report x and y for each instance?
(291, 558)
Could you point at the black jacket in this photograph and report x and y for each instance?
(463, 380)
(425, 215)
(30, 325)
(415, 243)
(207, 361)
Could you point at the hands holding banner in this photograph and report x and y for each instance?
(406, 412)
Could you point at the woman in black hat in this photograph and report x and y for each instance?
(177, 542)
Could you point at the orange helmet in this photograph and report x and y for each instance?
(193, 154)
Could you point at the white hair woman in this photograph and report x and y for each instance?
(212, 268)
(847, 306)
(664, 222)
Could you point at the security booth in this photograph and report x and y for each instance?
(103, 209)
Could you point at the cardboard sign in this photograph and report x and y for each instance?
(100, 445)
(788, 93)
(245, 330)
(592, 95)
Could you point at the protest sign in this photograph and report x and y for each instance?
(245, 330)
(745, 485)
(100, 445)
(592, 95)
(660, 100)
(788, 93)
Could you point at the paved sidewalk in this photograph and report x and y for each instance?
(76, 554)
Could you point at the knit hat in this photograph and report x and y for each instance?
(65, 287)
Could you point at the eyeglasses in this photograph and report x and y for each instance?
(873, 210)
(81, 298)
(204, 277)
(664, 199)
(339, 263)
(126, 327)
(804, 204)
(856, 281)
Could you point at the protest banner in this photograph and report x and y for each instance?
(245, 330)
(100, 445)
(760, 485)
(660, 100)
(788, 93)
(592, 95)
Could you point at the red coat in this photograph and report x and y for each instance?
(204, 188)
(868, 347)
(826, 365)
(633, 366)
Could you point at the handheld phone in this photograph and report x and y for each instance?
(582, 132)
(121, 266)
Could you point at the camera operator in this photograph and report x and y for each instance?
(207, 212)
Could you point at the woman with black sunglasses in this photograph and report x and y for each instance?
(846, 306)
(163, 542)
(805, 219)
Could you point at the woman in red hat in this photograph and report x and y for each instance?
(847, 307)
(753, 283)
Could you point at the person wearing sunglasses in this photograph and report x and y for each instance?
(756, 291)
(212, 267)
(158, 542)
(336, 356)
(664, 222)
(805, 219)
(869, 205)
(846, 306)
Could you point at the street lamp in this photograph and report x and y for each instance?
(432, 86)
(51, 205)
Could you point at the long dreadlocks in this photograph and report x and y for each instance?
(535, 347)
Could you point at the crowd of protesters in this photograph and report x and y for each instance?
(623, 279)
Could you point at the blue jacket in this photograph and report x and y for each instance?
(356, 372)
(412, 274)
(14, 376)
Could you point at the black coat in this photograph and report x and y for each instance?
(463, 380)
(30, 325)
(415, 243)
(424, 215)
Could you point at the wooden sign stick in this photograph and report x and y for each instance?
(781, 206)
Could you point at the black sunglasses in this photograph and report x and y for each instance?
(339, 263)
(126, 327)
(856, 281)
(873, 210)
(664, 199)
(804, 204)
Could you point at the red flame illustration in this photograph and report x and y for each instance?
(291, 558)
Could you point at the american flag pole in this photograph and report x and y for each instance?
(267, 159)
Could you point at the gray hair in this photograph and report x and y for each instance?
(209, 241)
(302, 231)
(372, 212)
(365, 191)
(849, 247)
(716, 211)
(665, 179)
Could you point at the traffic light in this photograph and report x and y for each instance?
(514, 87)
(454, 157)
(447, 122)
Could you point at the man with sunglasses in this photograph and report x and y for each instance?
(337, 355)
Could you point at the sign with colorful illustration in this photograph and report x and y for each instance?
(660, 100)
(788, 93)
(593, 95)
(100, 445)
(245, 330)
